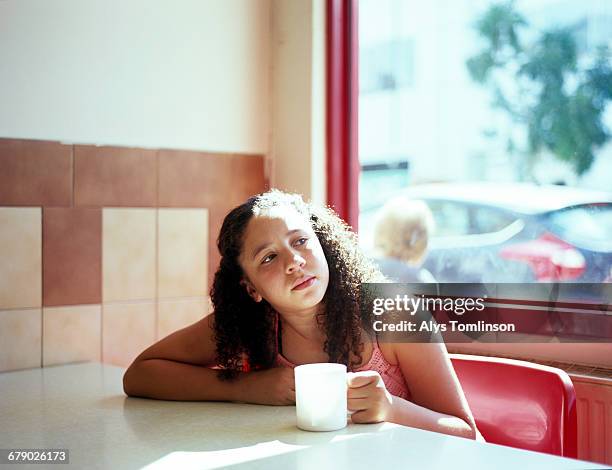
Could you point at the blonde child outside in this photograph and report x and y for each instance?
(401, 238)
(287, 293)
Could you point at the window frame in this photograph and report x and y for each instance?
(342, 109)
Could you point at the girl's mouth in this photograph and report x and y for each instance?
(307, 282)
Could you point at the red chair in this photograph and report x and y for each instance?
(520, 404)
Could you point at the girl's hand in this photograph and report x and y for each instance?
(368, 397)
(274, 386)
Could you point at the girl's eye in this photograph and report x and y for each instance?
(301, 241)
(267, 259)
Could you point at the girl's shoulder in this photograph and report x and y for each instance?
(374, 351)
(384, 361)
(388, 352)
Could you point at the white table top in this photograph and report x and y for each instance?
(81, 407)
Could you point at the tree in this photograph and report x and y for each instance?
(544, 86)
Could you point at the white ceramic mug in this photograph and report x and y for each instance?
(320, 396)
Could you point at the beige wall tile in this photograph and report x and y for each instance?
(71, 334)
(176, 314)
(21, 257)
(128, 329)
(20, 339)
(183, 249)
(128, 254)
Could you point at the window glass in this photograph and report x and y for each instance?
(387, 65)
(586, 225)
(486, 220)
(451, 219)
(498, 111)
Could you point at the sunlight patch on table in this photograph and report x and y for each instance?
(222, 458)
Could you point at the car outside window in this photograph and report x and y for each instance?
(486, 220)
(451, 219)
(586, 225)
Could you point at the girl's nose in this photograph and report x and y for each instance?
(295, 262)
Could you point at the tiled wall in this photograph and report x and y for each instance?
(103, 250)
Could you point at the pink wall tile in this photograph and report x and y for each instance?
(197, 179)
(248, 176)
(193, 179)
(115, 176)
(20, 339)
(35, 173)
(72, 241)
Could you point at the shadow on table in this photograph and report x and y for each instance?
(220, 426)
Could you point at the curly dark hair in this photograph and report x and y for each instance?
(244, 329)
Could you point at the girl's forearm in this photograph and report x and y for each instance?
(171, 380)
(410, 414)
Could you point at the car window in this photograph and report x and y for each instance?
(451, 219)
(457, 219)
(586, 225)
(488, 220)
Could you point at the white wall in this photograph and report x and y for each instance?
(149, 73)
(297, 140)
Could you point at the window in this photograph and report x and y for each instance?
(486, 220)
(451, 219)
(497, 114)
(387, 66)
(587, 226)
(493, 112)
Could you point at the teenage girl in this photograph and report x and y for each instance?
(287, 293)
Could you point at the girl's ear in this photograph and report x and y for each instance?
(251, 290)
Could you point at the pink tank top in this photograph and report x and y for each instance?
(391, 374)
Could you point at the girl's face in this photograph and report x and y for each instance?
(283, 262)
